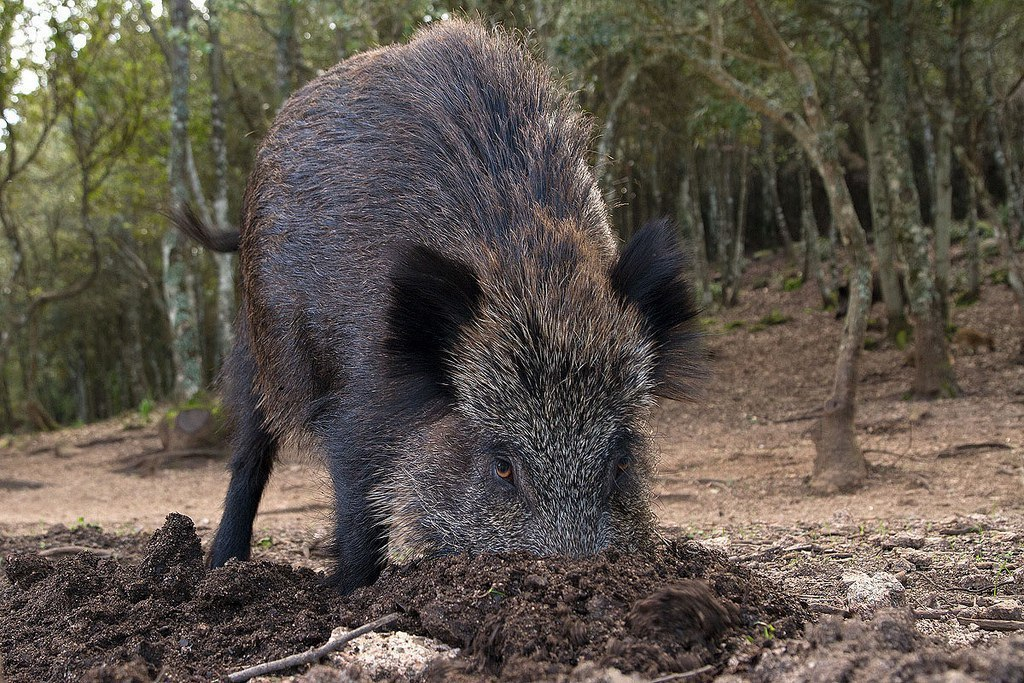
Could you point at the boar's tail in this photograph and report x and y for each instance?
(186, 220)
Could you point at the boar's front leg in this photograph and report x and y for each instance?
(253, 451)
(360, 537)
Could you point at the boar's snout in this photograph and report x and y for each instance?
(578, 533)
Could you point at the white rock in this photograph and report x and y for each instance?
(865, 593)
(390, 655)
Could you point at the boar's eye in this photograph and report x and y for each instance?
(622, 466)
(503, 470)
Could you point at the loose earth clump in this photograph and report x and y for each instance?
(146, 608)
(80, 616)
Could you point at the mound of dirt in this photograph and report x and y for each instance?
(886, 648)
(84, 617)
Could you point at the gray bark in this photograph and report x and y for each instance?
(812, 248)
(933, 373)
(734, 268)
(689, 215)
(771, 175)
(603, 166)
(175, 250)
(973, 245)
(285, 47)
(885, 238)
(943, 194)
(218, 137)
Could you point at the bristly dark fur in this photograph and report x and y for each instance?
(186, 220)
(432, 298)
(430, 285)
(650, 273)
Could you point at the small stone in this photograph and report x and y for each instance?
(535, 582)
(918, 558)
(976, 582)
(903, 539)
(865, 593)
(1010, 610)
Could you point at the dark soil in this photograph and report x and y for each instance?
(886, 648)
(128, 615)
(81, 616)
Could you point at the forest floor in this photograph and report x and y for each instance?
(938, 530)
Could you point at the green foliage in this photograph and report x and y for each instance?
(775, 317)
(734, 325)
(999, 276)
(146, 406)
(80, 523)
(964, 299)
(86, 113)
(792, 283)
(902, 339)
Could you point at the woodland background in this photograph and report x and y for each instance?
(862, 138)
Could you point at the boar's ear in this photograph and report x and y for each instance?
(432, 297)
(650, 275)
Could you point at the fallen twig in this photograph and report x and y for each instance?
(100, 441)
(963, 448)
(821, 608)
(684, 675)
(796, 418)
(152, 460)
(777, 550)
(338, 639)
(68, 550)
(992, 624)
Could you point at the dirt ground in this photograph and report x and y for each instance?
(942, 514)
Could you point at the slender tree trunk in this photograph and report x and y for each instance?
(943, 189)
(689, 216)
(285, 55)
(712, 158)
(603, 166)
(771, 175)
(225, 266)
(1014, 193)
(933, 373)
(175, 251)
(812, 249)
(885, 239)
(931, 154)
(944, 206)
(839, 464)
(973, 246)
(734, 269)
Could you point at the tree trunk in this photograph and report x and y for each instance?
(1014, 194)
(734, 269)
(809, 227)
(885, 240)
(943, 188)
(284, 42)
(944, 206)
(175, 251)
(602, 166)
(225, 267)
(973, 246)
(933, 373)
(839, 464)
(689, 216)
(771, 175)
